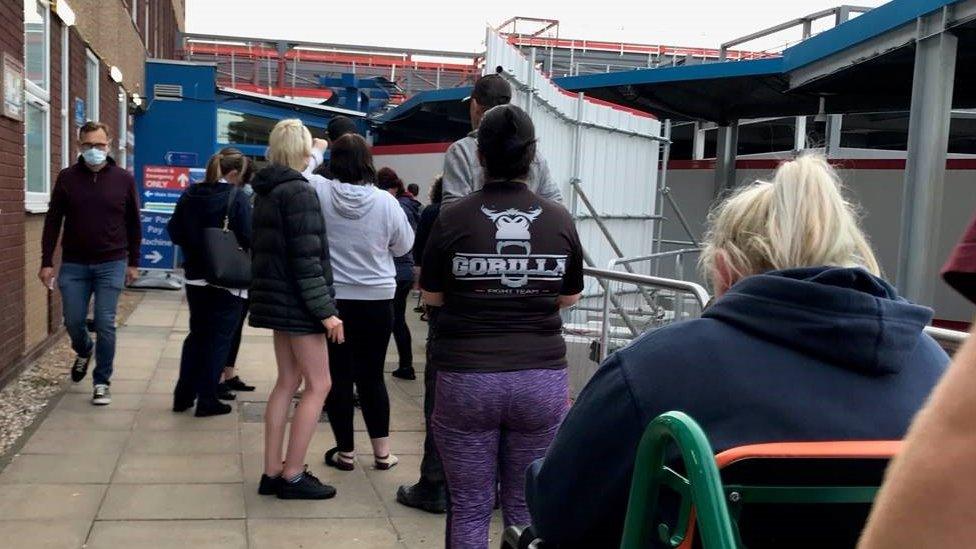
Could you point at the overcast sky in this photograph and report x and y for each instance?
(429, 24)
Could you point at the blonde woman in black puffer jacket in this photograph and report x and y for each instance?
(291, 293)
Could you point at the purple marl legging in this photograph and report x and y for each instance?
(488, 425)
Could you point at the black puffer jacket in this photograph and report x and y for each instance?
(291, 289)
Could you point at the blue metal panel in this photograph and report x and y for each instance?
(415, 102)
(864, 27)
(250, 106)
(707, 71)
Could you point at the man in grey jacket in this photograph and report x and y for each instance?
(462, 171)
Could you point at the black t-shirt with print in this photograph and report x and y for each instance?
(501, 256)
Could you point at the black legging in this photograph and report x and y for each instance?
(401, 332)
(360, 360)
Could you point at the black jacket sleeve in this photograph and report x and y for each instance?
(176, 227)
(304, 230)
(427, 218)
(133, 222)
(578, 493)
(241, 215)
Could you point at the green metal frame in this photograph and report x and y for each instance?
(703, 485)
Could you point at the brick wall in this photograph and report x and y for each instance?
(11, 205)
(36, 326)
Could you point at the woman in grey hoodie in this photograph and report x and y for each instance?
(367, 229)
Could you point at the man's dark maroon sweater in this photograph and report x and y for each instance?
(100, 213)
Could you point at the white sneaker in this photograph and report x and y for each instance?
(101, 396)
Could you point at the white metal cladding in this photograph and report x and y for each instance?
(618, 160)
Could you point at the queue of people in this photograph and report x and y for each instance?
(804, 341)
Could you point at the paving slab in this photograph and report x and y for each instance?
(173, 501)
(187, 534)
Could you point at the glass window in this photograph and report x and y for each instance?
(38, 157)
(962, 133)
(881, 131)
(36, 47)
(249, 129)
(767, 136)
(682, 141)
(91, 99)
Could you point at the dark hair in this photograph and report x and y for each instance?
(339, 126)
(413, 189)
(387, 179)
(224, 162)
(491, 90)
(92, 126)
(437, 190)
(506, 141)
(351, 160)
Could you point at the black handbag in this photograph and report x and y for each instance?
(228, 264)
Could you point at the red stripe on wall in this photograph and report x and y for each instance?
(952, 325)
(841, 163)
(420, 148)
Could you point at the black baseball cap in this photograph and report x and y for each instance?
(490, 91)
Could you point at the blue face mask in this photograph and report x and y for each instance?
(94, 157)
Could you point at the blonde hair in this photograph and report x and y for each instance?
(800, 219)
(290, 144)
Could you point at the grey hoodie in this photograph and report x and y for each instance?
(463, 174)
(366, 229)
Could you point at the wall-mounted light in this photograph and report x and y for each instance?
(136, 100)
(116, 74)
(64, 11)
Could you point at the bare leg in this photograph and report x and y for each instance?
(276, 414)
(313, 361)
(381, 446)
(228, 374)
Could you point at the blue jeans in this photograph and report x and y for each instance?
(78, 283)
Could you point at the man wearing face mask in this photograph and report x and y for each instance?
(98, 204)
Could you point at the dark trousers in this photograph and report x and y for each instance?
(235, 344)
(214, 316)
(359, 361)
(401, 332)
(431, 468)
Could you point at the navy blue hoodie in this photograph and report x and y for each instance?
(204, 205)
(798, 355)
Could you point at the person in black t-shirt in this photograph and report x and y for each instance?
(500, 263)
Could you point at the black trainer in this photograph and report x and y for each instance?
(216, 408)
(224, 392)
(270, 486)
(79, 368)
(424, 496)
(237, 384)
(404, 373)
(306, 487)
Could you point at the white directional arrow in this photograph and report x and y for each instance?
(155, 257)
(183, 179)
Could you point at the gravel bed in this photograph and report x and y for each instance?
(26, 396)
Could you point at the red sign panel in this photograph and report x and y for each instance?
(171, 178)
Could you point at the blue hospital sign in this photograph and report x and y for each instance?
(157, 250)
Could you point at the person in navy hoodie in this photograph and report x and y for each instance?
(805, 342)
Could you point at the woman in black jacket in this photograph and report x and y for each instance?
(214, 311)
(291, 293)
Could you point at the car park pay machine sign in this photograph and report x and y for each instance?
(161, 189)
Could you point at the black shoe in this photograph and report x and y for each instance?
(306, 487)
(216, 408)
(424, 496)
(237, 384)
(270, 486)
(224, 393)
(332, 459)
(181, 404)
(79, 368)
(404, 373)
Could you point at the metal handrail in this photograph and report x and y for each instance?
(697, 290)
(627, 260)
(840, 14)
(950, 340)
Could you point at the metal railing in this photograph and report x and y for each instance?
(627, 305)
(840, 15)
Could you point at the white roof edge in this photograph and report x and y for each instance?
(337, 110)
(178, 62)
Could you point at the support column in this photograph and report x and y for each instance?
(726, 146)
(928, 139)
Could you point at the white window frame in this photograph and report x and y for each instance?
(134, 8)
(123, 128)
(31, 87)
(145, 37)
(66, 131)
(37, 202)
(94, 107)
